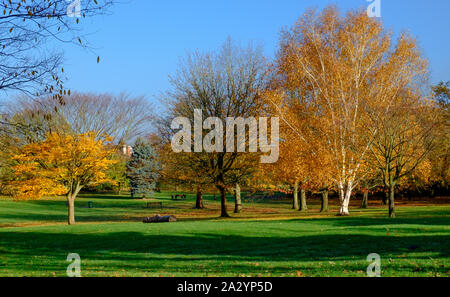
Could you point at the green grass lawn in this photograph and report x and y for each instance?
(268, 239)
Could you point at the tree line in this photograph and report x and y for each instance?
(356, 113)
(355, 109)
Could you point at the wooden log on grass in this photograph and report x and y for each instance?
(160, 219)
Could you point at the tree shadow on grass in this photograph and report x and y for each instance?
(365, 221)
(7, 220)
(100, 213)
(293, 248)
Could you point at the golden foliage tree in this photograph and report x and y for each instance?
(334, 70)
(61, 165)
(302, 163)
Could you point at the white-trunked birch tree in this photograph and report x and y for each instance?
(339, 68)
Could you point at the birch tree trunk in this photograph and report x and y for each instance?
(344, 197)
(238, 201)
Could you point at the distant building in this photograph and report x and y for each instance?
(127, 150)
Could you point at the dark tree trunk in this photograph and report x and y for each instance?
(295, 199)
(303, 206)
(392, 201)
(119, 187)
(324, 205)
(199, 199)
(386, 198)
(238, 201)
(223, 203)
(365, 201)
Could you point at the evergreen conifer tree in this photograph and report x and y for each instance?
(143, 169)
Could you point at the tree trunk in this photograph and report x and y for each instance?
(386, 198)
(199, 199)
(71, 209)
(295, 200)
(238, 201)
(365, 201)
(324, 206)
(303, 206)
(344, 197)
(74, 190)
(392, 201)
(223, 202)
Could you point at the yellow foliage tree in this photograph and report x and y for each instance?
(61, 165)
(303, 163)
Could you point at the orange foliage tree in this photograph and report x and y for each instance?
(302, 163)
(61, 165)
(331, 71)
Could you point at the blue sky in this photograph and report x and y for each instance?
(141, 42)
